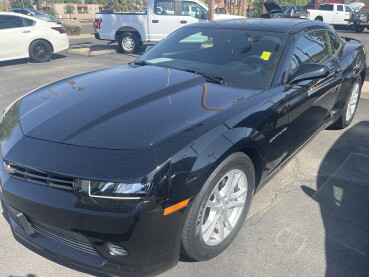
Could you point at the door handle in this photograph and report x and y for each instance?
(26, 32)
(183, 21)
(155, 21)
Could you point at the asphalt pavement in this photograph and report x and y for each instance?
(311, 219)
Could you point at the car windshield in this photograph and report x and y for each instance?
(34, 12)
(240, 58)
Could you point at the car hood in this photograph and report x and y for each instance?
(123, 107)
(271, 6)
(227, 16)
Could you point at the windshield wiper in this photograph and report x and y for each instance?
(211, 78)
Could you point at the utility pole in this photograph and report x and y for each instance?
(211, 10)
(6, 5)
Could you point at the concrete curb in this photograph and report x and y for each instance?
(365, 90)
(88, 52)
(82, 36)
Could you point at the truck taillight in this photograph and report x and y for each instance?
(97, 23)
(59, 29)
(307, 14)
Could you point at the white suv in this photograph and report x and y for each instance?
(24, 36)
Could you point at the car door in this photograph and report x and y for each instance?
(191, 12)
(164, 19)
(311, 101)
(16, 34)
(339, 15)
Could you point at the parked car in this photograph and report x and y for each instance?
(162, 18)
(359, 20)
(284, 11)
(166, 153)
(24, 36)
(34, 13)
(334, 14)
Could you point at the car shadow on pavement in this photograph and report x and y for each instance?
(343, 196)
(27, 60)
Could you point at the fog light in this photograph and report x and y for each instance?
(117, 250)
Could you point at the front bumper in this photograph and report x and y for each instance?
(52, 220)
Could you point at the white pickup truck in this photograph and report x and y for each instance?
(161, 18)
(334, 14)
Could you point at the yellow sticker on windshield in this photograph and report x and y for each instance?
(266, 55)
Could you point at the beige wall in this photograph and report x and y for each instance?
(91, 11)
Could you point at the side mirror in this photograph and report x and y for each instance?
(308, 72)
(148, 48)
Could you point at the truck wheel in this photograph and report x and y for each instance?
(128, 43)
(358, 28)
(319, 18)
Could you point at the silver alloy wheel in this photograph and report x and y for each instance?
(128, 43)
(224, 207)
(351, 106)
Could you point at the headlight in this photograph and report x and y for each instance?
(112, 190)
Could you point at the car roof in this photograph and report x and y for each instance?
(19, 9)
(21, 15)
(280, 25)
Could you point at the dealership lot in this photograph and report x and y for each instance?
(310, 219)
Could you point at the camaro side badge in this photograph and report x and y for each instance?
(312, 88)
(277, 135)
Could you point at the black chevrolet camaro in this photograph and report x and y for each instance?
(119, 170)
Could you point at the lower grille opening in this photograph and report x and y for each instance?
(76, 244)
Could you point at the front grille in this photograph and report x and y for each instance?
(38, 176)
(76, 244)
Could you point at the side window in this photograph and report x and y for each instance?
(164, 7)
(9, 22)
(192, 9)
(348, 9)
(335, 42)
(27, 22)
(326, 7)
(339, 8)
(311, 48)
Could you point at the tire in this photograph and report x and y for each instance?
(350, 107)
(319, 18)
(128, 43)
(358, 28)
(201, 243)
(40, 51)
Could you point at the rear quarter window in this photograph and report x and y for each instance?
(335, 42)
(326, 7)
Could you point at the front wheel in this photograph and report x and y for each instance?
(40, 51)
(128, 43)
(220, 208)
